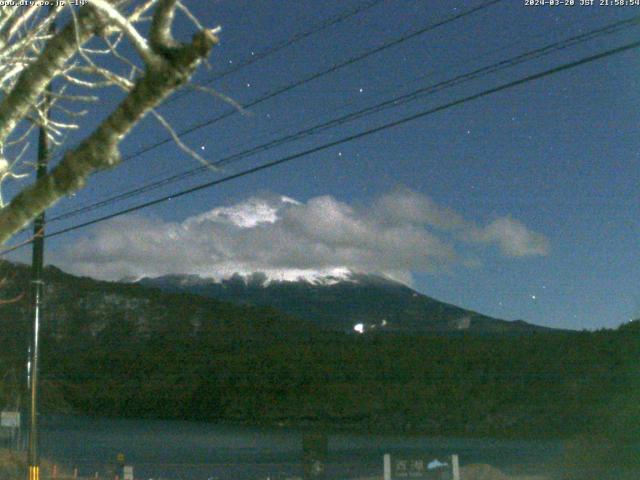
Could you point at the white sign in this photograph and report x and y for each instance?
(455, 467)
(420, 467)
(127, 472)
(10, 419)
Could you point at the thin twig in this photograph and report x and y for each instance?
(176, 138)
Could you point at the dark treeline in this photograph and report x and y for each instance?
(257, 372)
(121, 350)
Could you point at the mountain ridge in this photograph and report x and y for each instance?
(355, 301)
(127, 350)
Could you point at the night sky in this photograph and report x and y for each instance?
(522, 204)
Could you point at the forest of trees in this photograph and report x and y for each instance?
(121, 350)
(540, 385)
(126, 350)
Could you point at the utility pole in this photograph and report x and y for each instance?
(37, 284)
(37, 289)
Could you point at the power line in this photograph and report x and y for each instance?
(522, 39)
(294, 39)
(402, 121)
(335, 67)
(127, 193)
(315, 76)
(280, 46)
(391, 103)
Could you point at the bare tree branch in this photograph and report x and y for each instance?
(32, 56)
(183, 146)
(124, 25)
(160, 35)
(38, 75)
(100, 150)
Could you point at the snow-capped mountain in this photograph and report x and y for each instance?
(343, 301)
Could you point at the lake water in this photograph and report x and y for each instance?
(199, 451)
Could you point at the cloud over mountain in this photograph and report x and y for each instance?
(399, 233)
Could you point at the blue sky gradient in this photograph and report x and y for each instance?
(561, 155)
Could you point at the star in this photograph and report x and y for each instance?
(533, 297)
(361, 90)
